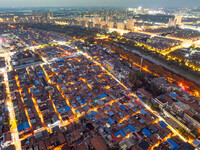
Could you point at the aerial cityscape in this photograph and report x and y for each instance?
(100, 75)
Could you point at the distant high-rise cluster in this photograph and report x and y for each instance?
(104, 23)
(36, 16)
(39, 16)
(36, 13)
(42, 14)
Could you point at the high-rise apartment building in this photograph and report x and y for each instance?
(110, 24)
(130, 24)
(120, 25)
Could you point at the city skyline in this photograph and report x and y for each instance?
(102, 3)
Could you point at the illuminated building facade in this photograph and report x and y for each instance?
(120, 25)
(110, 24)
(130, 24)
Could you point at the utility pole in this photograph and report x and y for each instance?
(141, 64)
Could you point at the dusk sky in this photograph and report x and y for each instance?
(100, 3)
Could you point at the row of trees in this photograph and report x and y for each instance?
(76, 31)
(172, 62)
(157, 69)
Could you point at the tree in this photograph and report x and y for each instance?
(155, 107)
(131, 76)
(148, 102)
(89, 40)
(194, 131)
(139, 75)
(114, 35)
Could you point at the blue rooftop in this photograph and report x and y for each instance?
(130, 128)
(139, 97)
(123, 107)
(102, 96)
(146, 131)
(174, 145)
(120, 132)
(67, 108)
(26, 125)
(20, 128)
(78, 97)
(100, 122)
(32, 90)
(110, 120)
(36, 82)
(74, 105)
(40, 73)
(82, 101)
(196, 142)
(143, 111)
(78, 142)
(64, 109)
(60, 61)
(121, 114)
(93, 113)
(173, 94)
(162, 124)
(110, 113)
(23, 126)
(57, 70)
